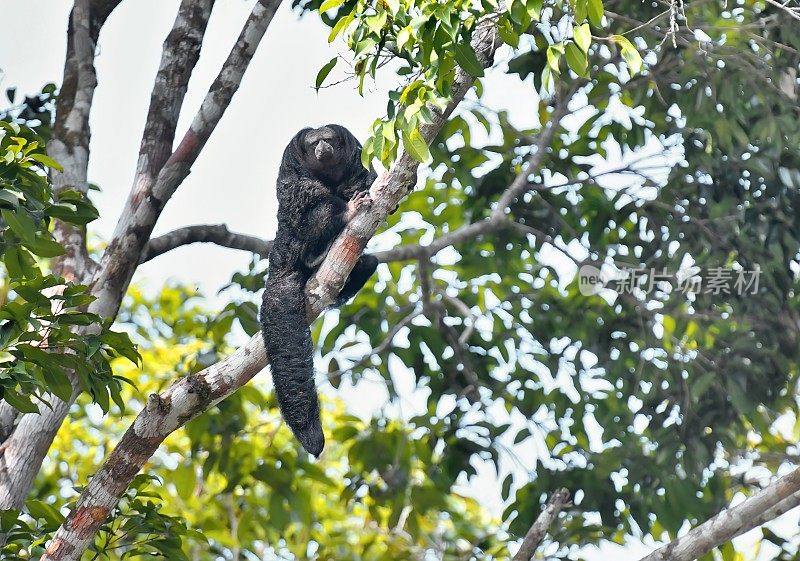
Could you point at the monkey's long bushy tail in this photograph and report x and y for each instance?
(287, 339)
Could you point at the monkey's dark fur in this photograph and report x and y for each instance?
(321, 183)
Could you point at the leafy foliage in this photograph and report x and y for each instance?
(46, 333)
(430, 39)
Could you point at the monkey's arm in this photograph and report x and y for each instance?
(360, 181)
(320, 224)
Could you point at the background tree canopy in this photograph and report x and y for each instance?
(665, 143)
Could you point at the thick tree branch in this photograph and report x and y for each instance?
(70, 143)
(149, 196)
(767, 504)
(194, 394)
(178, 58)
(205, 233)
(164, 413)
(558, 500)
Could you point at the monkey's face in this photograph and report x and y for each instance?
(328, 151)
(324, 146)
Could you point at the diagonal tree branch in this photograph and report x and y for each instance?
(558, 500)
(205, 233)
(179, 56)
(767, 504)
(193, 394)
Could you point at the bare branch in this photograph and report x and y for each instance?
(385, 344)
(205, 233)
(534, 160)
(467, 314)
(791, 11)
(70, 143)
(147, 200)
(178, 58)
(193, 394)
(558, 500)
(416, 251)
(770, 502)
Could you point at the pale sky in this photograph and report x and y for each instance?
(233, 180)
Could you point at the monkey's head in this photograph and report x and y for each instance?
(329, 152)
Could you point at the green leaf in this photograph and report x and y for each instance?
(21, 403)
(12, 262)
(340, 26)
(9, 198)
(324, 71)
(596, 12)
(122, 344)
(377, 22)
(467, 59)
(553, 56)
(415, 145)
(366, 153)
(20, 224)
(57, 383)
(47, 161)
(576, 59)
(629, 53)
(581, 10)
(700, 387)
(404, 36)
(39, 509)
(583, 37)
(45, 248)
(534, 8)
(329, 5)
(507, 33)
(362, 47)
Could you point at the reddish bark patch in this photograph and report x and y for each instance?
(352, 247)
(189, 145)
(59, 548)
(87, 519)
(137, 197)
